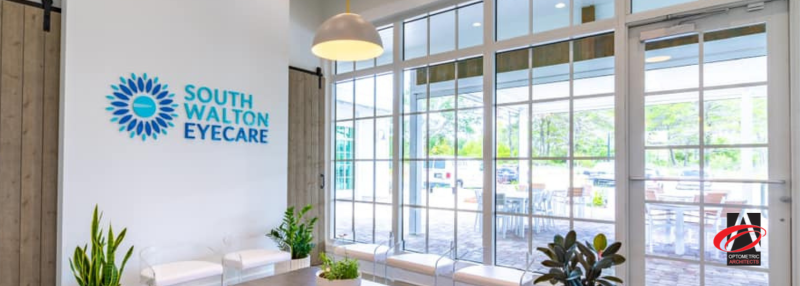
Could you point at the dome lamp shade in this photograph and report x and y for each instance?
(347, 37)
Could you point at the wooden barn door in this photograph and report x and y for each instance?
(307, 148)
(29, 108)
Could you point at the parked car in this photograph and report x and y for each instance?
(602, 175)
(693, 177)
(440, 174)
(507, 175)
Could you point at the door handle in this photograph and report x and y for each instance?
(322, 181)
(786, 199)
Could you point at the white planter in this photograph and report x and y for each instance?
(293, 265)
(300, 263)
(325, 282)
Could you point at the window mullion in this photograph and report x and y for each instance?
(397, 94)
(488, 223)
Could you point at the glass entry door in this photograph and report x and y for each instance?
(709, 150)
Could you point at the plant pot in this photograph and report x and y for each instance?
(325, 282)
(300, 263)
(294, 264)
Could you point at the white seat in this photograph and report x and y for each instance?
(485, 275)
(366, 252)
(421, 263)
(247, 259)
(181, 272)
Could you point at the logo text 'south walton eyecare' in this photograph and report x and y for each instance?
(223, 115)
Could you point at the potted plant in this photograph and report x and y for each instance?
(99, 267)
(342, 273)
(573, 263)
(296, 235)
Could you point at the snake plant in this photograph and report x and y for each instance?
(295, 234)
(573, 263)
(98, 267)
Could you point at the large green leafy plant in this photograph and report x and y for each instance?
(98, 267)
(573, 263)
(340, 270)
(295, 234)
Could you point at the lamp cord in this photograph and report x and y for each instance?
(348, 7)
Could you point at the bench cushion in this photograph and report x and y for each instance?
(181, 272)
(365, 252)
(247, 259)
(421, 263)
(491, 276)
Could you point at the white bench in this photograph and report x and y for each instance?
(490, 275)
(487, 275)
(373, 253)
(156, 270)
(423, 263)
(244, 260)
(243, 255)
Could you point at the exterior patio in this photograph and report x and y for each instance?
(514, 231)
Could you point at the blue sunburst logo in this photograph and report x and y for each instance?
(142, 107)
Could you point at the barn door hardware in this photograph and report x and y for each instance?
(48, 7)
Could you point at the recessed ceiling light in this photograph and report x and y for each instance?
(561, 5)
(657, 59)
(476, 24)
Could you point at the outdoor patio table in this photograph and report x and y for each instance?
(679, 211)
(519, 200)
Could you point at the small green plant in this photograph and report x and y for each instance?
(572, 263)
(340, 270)
(296, 233)
(598, 200)
(99, 267)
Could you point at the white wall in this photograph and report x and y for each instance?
(306, 16)
(171, 190)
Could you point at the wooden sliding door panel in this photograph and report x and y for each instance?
(29, 108)
(306, 149)
(32, 104)
(51, 90)
(11, 54)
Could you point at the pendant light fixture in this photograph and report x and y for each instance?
(347, 37)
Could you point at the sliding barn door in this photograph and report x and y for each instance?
(29, 100)
(307, 148)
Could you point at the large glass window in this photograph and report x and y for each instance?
(554, 145)
(521, 17)
(443, 31)
(363, 159)
(443, 158)
(701, 127)
(644, 5)
(705, 112)
(387, 37)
